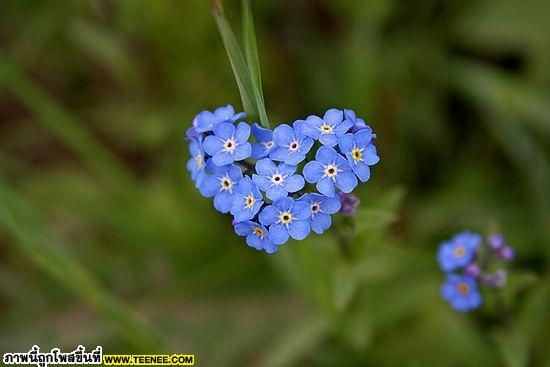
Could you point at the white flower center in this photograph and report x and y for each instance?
(226, 183)
(277, 179)
(294, 146)
(331, 170)
(315, 207)
(229, 145)
(268, 145)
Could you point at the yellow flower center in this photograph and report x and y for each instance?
(356, 154)
(258, 232)
(459, 251)
(199, 160)
(250, 201)
(326, 128)
(463, 288)
(285, 217)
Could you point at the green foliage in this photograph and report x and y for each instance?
(105, 241)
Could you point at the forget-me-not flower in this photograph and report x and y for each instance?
(228, 144)
(207, 120)
(257, 236)
(264, 142)
(286, 217)
(221, 184)
(277, 181)
(247, 200)
(357, 123)
(320, 208)
(459, 251)
(292, 144)
(197, 163)
(330, 169)
(328, 129)
(461, 292)
(360, 152)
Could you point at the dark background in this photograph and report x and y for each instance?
(105, 241)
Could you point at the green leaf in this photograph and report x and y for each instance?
(253, 60)
(236, 58)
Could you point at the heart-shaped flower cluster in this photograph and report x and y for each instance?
(262, 182)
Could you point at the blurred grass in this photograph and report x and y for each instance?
(94, 101)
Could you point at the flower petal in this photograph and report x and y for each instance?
(266, 167)
(294, 183)
(362, 171)
(298, 229)
(278, 234)
(346, 143)
(242, 132)
(242, 152)
(283, 135)
(328, 140)
(331, 205)
(244, 228)
(326, 186)
(263, 182)
(223, 201)
(313, 171)
(223, 158)
(333, 116)
(210, 186)
(224, 130)
(261, 134)
(320, 223)
(326, 155)
(311, 127)
(346, 181)
(212, 145)
(301, 210)
(279, 154)
(269, 215)
(276, 192)
(293, 158)
(284, 204)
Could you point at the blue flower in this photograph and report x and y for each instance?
(264, 142)
(277, 181)
(329, 169)
(292, 144)
(461, 292)
(320, 208)
(256, 236)
(197, 163)
(221, 184)
(206, 120)
(458, 251)
(286, 217)
(360, 152)
(247, 200)
(357, 123)
(328, 129)
(228, 144)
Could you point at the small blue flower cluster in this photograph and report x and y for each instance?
(260, 182)
(465, 251)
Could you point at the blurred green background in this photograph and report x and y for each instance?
(105, 241)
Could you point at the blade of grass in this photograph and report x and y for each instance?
(60, 122)
(253, 60)
(236, 59)
(29, 236)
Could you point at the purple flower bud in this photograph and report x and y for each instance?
(473, 270)
(349, 202)
(507, 253)
(495, 242)
(496, 280)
